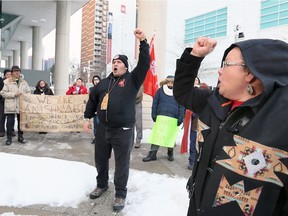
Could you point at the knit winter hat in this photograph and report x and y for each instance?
(6, 71)
(122, 58)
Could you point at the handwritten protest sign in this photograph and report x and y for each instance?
(164, 132)
(52, 113)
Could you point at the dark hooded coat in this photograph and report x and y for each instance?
(243, 153)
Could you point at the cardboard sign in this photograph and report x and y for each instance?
(52, 113)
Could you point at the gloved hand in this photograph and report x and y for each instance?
(179, 123)
(154, 119)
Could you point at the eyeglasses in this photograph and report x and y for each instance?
(227, 64)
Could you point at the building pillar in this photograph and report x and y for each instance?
(23, 55)
(61, 72)
(16, 60)
(36, 48)
(10, 62)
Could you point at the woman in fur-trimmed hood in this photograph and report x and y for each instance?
(167, 80)
(242, 167)
(164, 106)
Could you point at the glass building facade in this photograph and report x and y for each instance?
(212, 24)
(274, 13)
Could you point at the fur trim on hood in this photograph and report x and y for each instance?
(168, 79)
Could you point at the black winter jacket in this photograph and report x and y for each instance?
(46, 90)
(122, 99)
(243, 158)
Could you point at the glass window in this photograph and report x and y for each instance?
(273, 13)
(283, 21)
(283, 6)
(270, 17)
(210, 32)
(199, 23)
(283, 14)
(209, 20)
(212, 24)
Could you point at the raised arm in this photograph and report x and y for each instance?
(140, 71)
(187, 67)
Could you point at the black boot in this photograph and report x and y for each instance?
(151, 156)
(93, 141)
(21, 139)
(170, 154)
(9, 140)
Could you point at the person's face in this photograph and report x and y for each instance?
(170, 84)
(16, 74)
(78, 82)
(7, 75)
(96, 80)
(234, 76)
(196, 82)
(42, 84)
(118, 68)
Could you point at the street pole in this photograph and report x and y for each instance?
(88, 72)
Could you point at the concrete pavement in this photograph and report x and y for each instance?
(77, 147)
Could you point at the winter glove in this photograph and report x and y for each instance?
(179, 123)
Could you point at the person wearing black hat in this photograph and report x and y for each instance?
(242, 166)
(114, 101)
(14, 86)
(95, 80)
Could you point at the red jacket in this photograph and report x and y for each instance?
(82, 90)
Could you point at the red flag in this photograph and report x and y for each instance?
(151, 80)
(186, 135)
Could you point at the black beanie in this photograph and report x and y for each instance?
(6, 71)
(122, 58)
